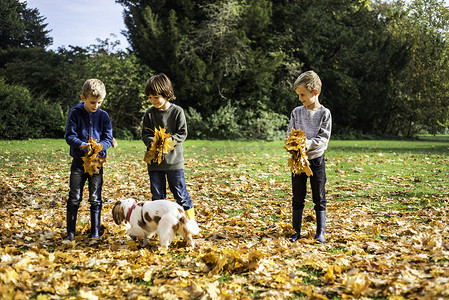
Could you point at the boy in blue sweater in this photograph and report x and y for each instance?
(87, 119)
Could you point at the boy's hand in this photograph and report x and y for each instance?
(308, 143)
(88, 149)
(91, 148)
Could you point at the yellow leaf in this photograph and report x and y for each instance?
(92, 162)
(161, 145)
(9, 276)
(357, 284)
(295, 144)
(148, 276)
(329, 276)
(85, 294)
(133, 245)
(43, 297)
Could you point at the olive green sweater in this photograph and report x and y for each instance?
(174, 121)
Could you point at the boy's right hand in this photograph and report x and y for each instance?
(86, 148)
(308, 143)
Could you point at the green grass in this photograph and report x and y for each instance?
(404, 175)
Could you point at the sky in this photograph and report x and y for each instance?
(81, 22)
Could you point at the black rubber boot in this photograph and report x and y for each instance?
(297, 223)
(320, 226)
(72, 212)
(95, 220)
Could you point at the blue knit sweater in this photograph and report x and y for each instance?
(81, 125)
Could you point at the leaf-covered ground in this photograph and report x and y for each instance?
(387, 226)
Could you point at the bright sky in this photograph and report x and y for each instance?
(81, 22)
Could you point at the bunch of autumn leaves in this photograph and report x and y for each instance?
(92, 162)
(161, 145)
(296, 145)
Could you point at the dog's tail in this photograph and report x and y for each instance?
(192, 226)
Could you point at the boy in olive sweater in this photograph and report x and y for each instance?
(166, 115)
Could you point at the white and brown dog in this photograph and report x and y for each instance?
(164, 217)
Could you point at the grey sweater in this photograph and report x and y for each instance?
(174, 120)
(317, 125)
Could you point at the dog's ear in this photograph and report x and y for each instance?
(118, 213)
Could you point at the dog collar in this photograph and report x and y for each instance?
(129, 212)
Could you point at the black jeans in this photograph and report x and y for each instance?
(77, 180)
(317, 182)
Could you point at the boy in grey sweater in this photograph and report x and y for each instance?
(166, 115)
(316, 121)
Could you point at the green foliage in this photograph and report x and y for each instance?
(59, 77)
(196, 124)
(21, 26)
(421, 92)
(230, 124)
(123, 134)
(264, 125)
(24, 117)
(223, 124)
(383, 64)
(43, 73)
(236, 51)
(124, 79)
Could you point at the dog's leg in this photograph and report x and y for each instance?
(145, 241)
(187, 236)
(165, 230)
(136, 231)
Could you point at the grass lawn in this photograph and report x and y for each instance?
(387, 217)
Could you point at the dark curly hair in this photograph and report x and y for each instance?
(160, 84)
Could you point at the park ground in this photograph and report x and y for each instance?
(387, 225)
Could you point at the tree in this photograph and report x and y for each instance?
(213, 52)
(346, 43)
(22, 27)
(421, 90)
(23, 116)
(59, 76)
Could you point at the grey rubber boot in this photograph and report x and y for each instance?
(297, 223)
(95, 220)
(72, 212)
(320, 226)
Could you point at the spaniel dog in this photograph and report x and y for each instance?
(164, 217)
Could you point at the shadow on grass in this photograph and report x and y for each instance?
(427, 146)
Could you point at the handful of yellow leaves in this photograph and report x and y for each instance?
(296, 145)
(161, 144)
(92, 162)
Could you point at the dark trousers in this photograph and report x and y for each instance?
(77, 181)
(176, 183)
(317, 183)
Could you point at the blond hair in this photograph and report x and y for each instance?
(94, 88)
(310, 80)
